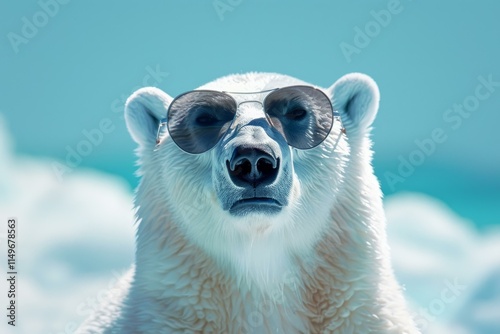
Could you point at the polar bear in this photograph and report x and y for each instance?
(257, 212)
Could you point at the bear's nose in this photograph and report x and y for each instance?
(252, 166)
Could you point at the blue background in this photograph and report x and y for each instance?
(66, 78)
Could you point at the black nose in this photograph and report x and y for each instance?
(250, 166)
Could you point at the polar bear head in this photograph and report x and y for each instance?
(251, 166)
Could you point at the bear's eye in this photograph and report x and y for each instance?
(296, 114)
(205, 119)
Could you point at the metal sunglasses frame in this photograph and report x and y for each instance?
(164, 121)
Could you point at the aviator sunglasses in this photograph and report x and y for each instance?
(198, 119)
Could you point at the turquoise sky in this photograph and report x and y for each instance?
(66, 69)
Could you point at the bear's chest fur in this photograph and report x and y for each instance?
(192, 293)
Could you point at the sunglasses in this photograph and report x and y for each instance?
(198, 119)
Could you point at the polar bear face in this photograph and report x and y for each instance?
(251, 197)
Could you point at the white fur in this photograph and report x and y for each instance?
(321, 265)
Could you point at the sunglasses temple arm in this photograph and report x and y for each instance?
(336, 114)
(163, 122)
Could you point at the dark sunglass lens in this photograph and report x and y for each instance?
(198, 119)
(303, 115)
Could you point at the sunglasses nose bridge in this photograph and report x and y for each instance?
(250, 101)
(250, 109)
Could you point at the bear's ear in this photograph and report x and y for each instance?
(356, 97)
(143, 111)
